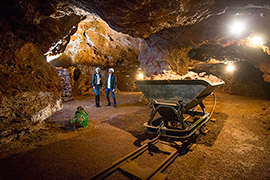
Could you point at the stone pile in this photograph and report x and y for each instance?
(171, 75)
(66, 84)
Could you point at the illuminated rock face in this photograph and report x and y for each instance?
(171, 28)
(95, 44)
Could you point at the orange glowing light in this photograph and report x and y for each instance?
(230, 68)
(256, 41)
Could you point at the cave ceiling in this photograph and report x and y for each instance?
(174, 29)
(141, 18)
(170, 29)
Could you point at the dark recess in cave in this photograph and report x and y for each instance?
(246, 80)
(76, 74)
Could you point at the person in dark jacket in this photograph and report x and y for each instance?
(110, 87)
(97, 84)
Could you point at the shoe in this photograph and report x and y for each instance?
(98, 105)
(114, 106)
(108, 104)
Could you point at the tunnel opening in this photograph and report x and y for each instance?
(76, 74)
(247, 78)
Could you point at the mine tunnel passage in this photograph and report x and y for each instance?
(49, 55)
(244, 78)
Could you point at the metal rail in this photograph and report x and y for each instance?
(109, 170)
(155, 173)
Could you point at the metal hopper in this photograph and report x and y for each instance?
(172, 99)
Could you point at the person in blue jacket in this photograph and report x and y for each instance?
(97, 84)
(110, 87)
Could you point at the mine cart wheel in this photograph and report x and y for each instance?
(177, 125)
(158, 121)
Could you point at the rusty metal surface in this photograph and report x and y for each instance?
(189, 92)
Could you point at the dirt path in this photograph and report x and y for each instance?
(236, 147)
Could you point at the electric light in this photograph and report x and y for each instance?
(230, 68)
(237, 27)
(140, 76)
(256, 41)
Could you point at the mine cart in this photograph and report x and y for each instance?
(179, 104)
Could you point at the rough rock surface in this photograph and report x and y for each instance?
(170, 48)
(235, 52)
(82, 85)
(25, 112)
(245, 80)
(170, 29)
(96, 44)
(66, 84)
(29, 86)
(173, 27)
(29, 89)
(143, 17)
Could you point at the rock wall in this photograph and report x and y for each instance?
(170, 29)
(83, 85)
(29, 86)
(173, 27)
(245, 80)
(66, 84)
(95, 44)
(25, 112)
(30, 92)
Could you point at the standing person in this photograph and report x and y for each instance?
(97, 84)
(110, 87)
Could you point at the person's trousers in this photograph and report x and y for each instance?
(108, 98)
(97, 94)
(97, 99)
(97, 90)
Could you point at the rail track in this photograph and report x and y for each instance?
(129, 166)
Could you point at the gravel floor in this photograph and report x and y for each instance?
(237, 145)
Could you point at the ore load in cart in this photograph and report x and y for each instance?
(177, 102)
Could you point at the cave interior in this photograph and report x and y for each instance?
(49, 51)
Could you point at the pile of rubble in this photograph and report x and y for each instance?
(66, 84)
(171, 75)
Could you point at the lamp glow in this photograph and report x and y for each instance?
(256, 41)
(237, 27)
(140, 76)
(230, 68)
